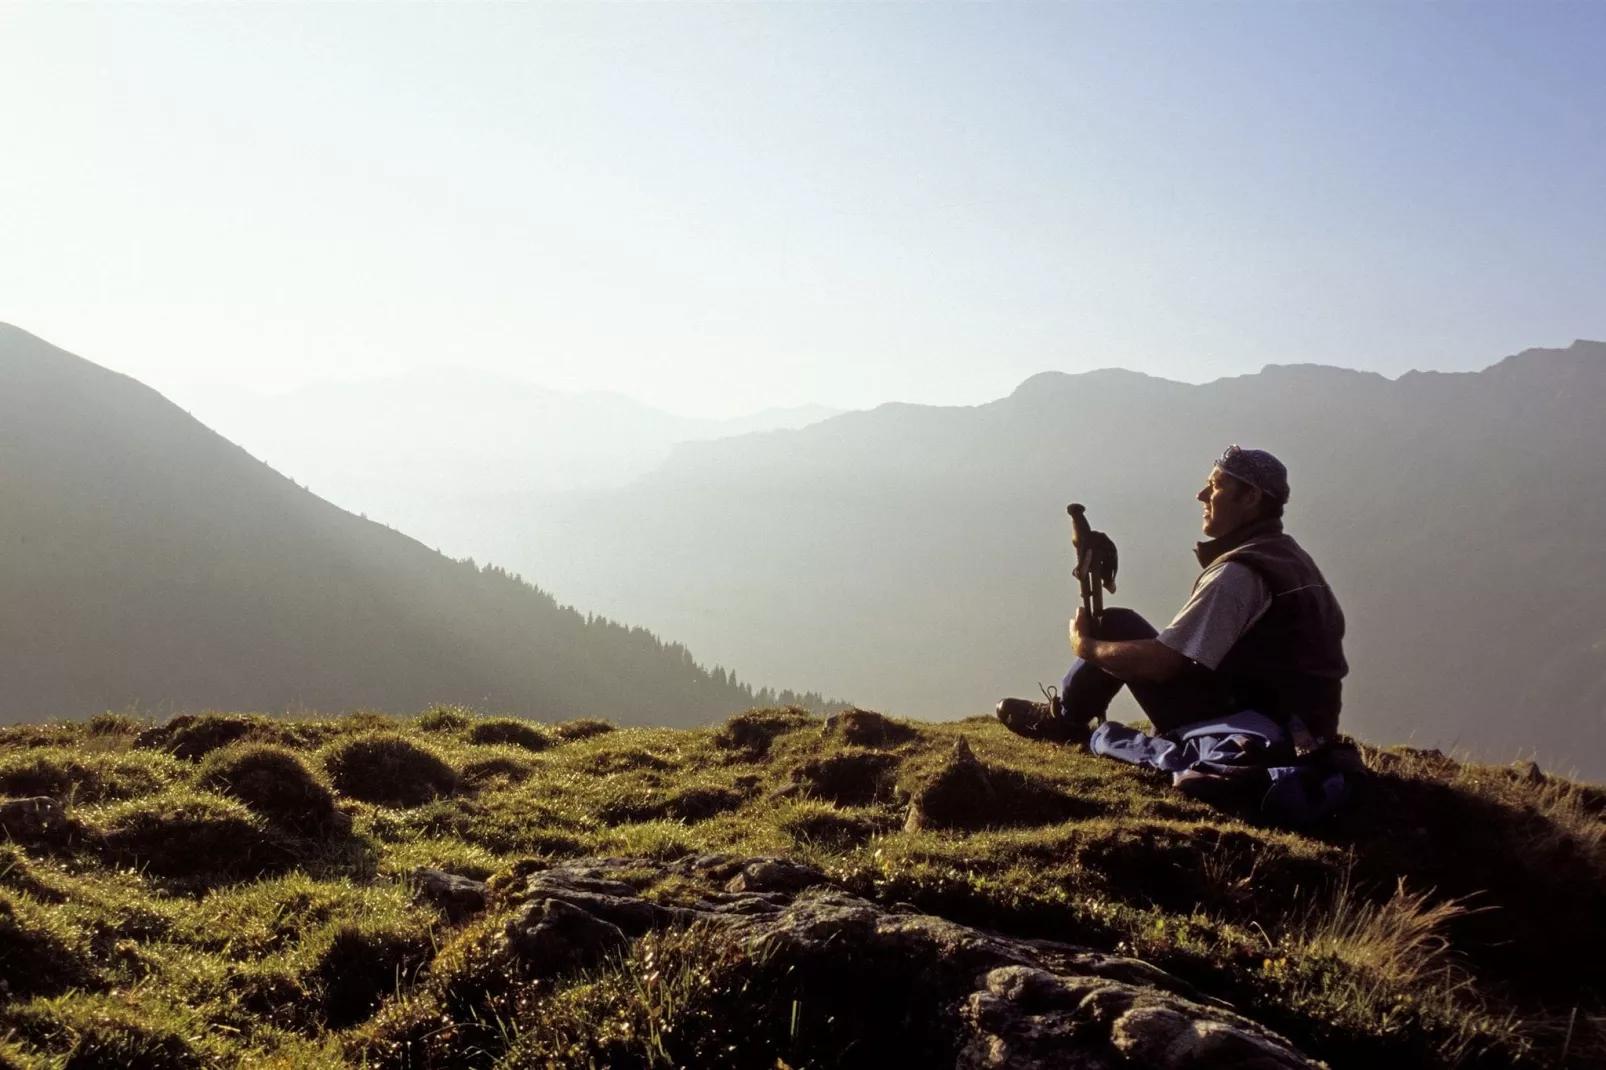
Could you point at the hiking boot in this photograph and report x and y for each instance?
(1024, 717)
(1041, 720)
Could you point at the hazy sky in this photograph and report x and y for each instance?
(718, 207)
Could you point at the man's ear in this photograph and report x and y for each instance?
(1258, 501)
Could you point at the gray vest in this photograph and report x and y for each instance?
(1291, 661)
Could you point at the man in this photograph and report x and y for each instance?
(1261, 631)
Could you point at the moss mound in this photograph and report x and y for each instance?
(118, 1046)
(36, 957)
(65, 773)
(361, 967)
(968, 794)
(511, 731)
(582, 728)
(688, 803)
(274, 783)
(193, 839)
(459, 1016)
(866, 728)
(755, 730)
(854, 778)
(828, 826)
(115, 724)
(390, 770)
(101, 1033)
(195, 736)
(625, 760)
(490, 770)
(445, 719)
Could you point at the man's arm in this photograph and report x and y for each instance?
(1133, 659)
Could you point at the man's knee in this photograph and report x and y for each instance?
(1124, 625)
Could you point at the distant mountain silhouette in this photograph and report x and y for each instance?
(917, 557)
(144, 559)
(402, 449)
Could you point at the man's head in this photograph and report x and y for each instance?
(1244, 486)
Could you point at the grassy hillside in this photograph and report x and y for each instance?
(231, 890)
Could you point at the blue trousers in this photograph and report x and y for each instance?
(1195, 694)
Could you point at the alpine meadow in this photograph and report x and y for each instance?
(803, 536)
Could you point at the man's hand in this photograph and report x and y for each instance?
(1081, 641)
(1133, 659)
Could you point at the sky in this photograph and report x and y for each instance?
(717, 208)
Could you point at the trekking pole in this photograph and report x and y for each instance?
(1096, 562)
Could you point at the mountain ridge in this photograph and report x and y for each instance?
(1457, 514)
(150, 560)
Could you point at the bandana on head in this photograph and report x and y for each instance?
(1257, 468)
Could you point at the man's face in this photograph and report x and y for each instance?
(1229, 503)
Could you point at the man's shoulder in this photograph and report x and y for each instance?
(1268, 549)
(1227, 574)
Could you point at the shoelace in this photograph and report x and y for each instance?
(1051, 693)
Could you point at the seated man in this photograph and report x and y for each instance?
(1261, 632)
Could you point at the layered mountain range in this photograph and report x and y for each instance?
(918, 559)
(387, 447)
(145, 561)
(914, 557)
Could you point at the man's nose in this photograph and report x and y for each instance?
(1202, 496)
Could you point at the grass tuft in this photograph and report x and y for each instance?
(194, 736)
(192, 838)
(363, 965)
(73, 775)
(389, 769)
(851, 778)
(581, 728)
(39, 956)
(274, 783)
(754, 730)
(509, 730)
(866, 728)
(445, 719)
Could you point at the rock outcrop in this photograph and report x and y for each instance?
(998, 1001)
(458, 897)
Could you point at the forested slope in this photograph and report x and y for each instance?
(145, 560)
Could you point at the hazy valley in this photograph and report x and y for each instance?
(917, 558)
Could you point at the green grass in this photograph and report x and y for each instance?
(209, 911)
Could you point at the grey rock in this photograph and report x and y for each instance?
(1528, 772)
(1027, 1019)
(550, 936)
(612, 901)
(775, 875)
(458, 897)
(1020, 1004)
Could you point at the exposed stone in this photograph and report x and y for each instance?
(1019, 1004)
(775, 875)
(550, 936)
(1027, 1019)
(458, 897)
(612, 901)
(1528, 772)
